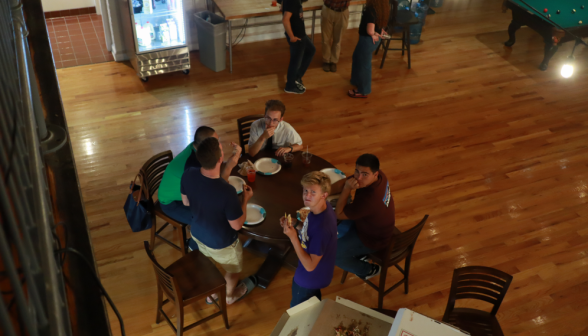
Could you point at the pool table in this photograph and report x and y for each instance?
(575, 22)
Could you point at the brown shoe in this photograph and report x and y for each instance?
(333, 67)
(326, 67)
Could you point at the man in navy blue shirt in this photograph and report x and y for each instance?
(217, 214)
(316, 243)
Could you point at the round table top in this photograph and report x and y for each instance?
(277, 194)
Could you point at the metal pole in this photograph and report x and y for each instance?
(37, 106)
(54, 301)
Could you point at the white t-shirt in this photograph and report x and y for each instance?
(284, 135)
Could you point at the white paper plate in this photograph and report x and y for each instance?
(255, 214)
(334, 174)
(237, 183)
(267, 166)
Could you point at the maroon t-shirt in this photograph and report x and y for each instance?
(373, 212)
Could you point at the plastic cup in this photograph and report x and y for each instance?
(288, 158)
(274, 3)
(306, 157)
(251, 175)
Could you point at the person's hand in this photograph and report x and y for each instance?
(283, 221)
(269, 132)
(236, 153)
(283, 150)
(375, 37)
(352, 184)
(294, 39)
(290, 232)
(247, 192)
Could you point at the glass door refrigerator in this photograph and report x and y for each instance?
(155, 37)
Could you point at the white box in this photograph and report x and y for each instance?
(410, 323)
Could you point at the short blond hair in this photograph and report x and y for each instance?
(317, 178)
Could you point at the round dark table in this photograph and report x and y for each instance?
(277, 194)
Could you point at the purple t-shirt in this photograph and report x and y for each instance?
(318, 236)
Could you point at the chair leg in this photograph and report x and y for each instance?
(153, 230)
(408, 47)
(406, 271)
(385, 52)
(403, 40)
(378, 49)
(159, 304)
(223, 304)
(180, 319)
(382, 287)
(183, 240)
(344, 276)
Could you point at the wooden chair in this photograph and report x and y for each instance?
(481, 283)
(191, 278)
(400, 248)
(152, 173)
(244, 127)
(403, 19)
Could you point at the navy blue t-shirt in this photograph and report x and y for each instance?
(213, 203)
(319, 237)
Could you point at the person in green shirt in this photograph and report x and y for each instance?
(169, 194)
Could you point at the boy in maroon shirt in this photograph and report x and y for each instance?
(368, 222)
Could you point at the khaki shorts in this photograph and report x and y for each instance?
(230, 257)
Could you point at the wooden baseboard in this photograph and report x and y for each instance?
(70, 12)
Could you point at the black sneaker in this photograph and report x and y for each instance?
(295, 90)
(375, 271)
(300, 84)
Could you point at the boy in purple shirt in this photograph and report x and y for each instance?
(316, 243)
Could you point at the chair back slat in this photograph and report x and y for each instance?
(244, 127)
(405, 241)
(478, 282)
(482, 284)
(153, 170)
(164, 279)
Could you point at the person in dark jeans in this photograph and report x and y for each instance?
(301, 48)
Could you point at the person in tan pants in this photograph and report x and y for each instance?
(334, 18)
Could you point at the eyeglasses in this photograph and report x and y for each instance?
(270, 120)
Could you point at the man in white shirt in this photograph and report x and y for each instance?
(273, 133)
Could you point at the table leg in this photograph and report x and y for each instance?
(313, 23)
(275, 255)
(230, 31)
(512, 29)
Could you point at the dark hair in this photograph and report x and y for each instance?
(208, 152)
(202, 133)
(275, 105)
(369, 160)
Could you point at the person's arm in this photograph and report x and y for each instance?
(256, 147)
(288, 27)
(309, 261)
(341, 203)
(185, 200)
(350, 184)
(288, 149)
(371, 30)
(237, 224)
(231, 162)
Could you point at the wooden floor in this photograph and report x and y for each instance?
(494, 150)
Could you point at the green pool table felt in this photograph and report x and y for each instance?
(566, 18)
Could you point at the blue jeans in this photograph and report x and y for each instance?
(349, 248)
(181, 213)
(301, 294)
(361, 64)
(301, 53)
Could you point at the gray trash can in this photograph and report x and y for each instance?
(212, 36)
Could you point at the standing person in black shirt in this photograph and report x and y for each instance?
(373, 19)
(301, 48)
